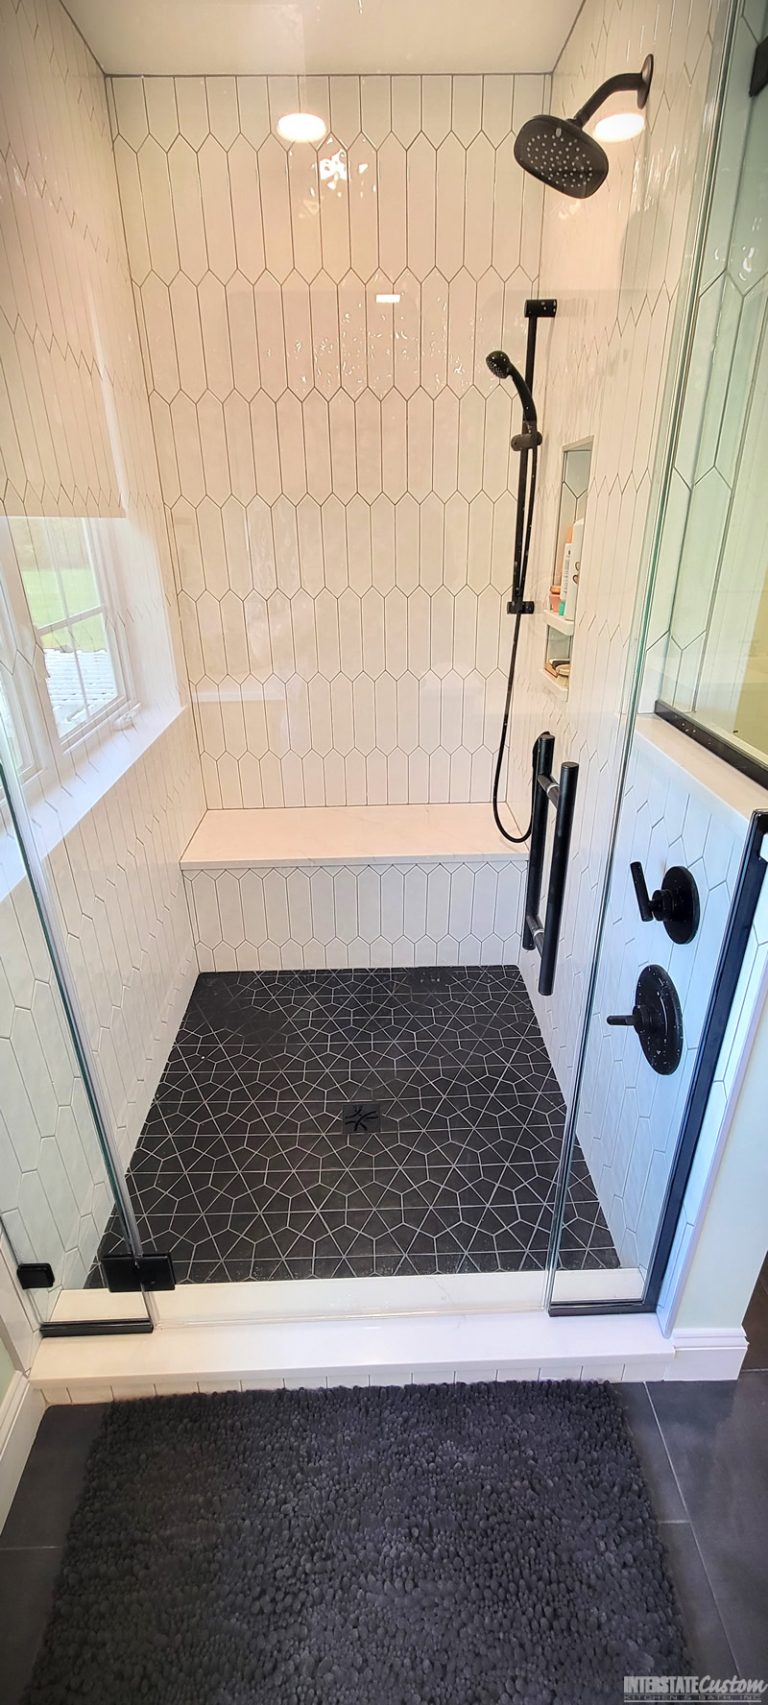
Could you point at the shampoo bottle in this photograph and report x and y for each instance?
(566, 572)
(569, 593)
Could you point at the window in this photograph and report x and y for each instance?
(15, 744)
(9, 730)
(62, 586)
(66, 684)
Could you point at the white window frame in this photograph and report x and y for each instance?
(51, 754)
(13, 696)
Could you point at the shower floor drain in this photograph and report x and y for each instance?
(361, 1117)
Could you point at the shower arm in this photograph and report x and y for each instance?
(630, 82)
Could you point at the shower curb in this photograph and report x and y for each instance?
(394, 1350)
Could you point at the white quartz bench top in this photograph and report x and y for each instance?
(347, 834)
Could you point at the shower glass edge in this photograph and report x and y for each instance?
(124, 1314)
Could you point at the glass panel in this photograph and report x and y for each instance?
(716, 665)
(44, 596)
(56, 1200)
(57, 574)
(81, 590)
(94, 662)
(6, 721)
(347, 649)
(66, 690)
(711, 611)
(66, 605)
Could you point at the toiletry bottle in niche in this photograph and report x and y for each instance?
(570, 587)
(565, 571)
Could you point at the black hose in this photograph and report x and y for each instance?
(516, 839)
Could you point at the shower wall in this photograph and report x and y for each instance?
(336, 469)
(614, 263)
(111, 811)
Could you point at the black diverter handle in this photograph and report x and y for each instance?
(675, 904)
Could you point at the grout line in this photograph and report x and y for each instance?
(662, 1525)
(692, 1525)
(9, 1550)
(715, 1601)
(683, 1500)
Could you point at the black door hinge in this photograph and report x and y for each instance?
(35, 1275)
(138, 1273)
(759, 76)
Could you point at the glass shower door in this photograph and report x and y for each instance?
(683, 932)
(59, 1187)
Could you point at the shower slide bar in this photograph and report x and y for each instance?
(536, 308)
(545, 937)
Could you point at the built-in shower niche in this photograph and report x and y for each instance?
(562, 595)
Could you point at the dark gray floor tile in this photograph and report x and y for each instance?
(652, 1452)
(708, 1642)
(716, 1433)
(27, 1580)
(735, 1558)
(717, 1438)
(50, 1486)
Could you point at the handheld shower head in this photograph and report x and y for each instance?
(500, 364)
(561, 153)
(502, 368)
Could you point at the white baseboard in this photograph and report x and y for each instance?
(21, 1412)
(709, 1353)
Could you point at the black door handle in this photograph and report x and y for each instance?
(562, 795)
(645, 905)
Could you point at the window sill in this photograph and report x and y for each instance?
(738, 793)
(57, 810)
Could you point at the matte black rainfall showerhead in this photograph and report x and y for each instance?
(560, 153)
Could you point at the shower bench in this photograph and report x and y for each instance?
(298, 889)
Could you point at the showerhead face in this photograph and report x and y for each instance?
(559, 153)
(500, 364)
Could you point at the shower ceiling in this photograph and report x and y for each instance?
(323, 36)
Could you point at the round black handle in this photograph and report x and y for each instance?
(657, 1018)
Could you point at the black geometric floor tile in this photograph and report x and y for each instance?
(248, 1168)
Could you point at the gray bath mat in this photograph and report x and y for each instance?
(432, 1545)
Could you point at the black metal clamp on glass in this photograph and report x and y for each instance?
(562, 795)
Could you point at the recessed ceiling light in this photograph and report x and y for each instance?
(388, 296)
(302, 127)
(619, 126)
